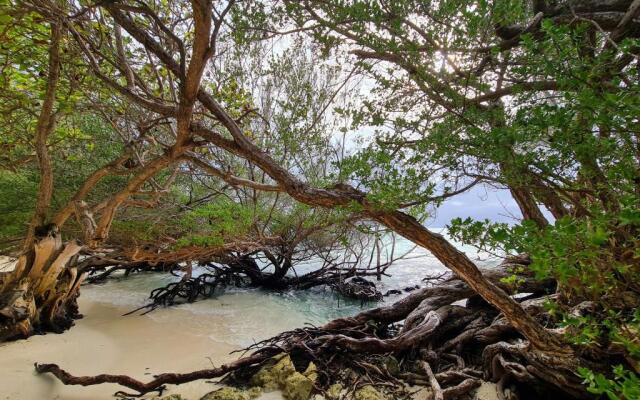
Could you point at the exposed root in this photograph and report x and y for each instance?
(159, 381)
(244, 271)
(464, 387)
(435, 385)
(190, 289)
(444, 346)
(358, 288)
(40, 294)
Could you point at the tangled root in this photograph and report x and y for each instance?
(426, 339)
(190, 289)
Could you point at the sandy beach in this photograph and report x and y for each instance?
(105, 342)
(140, 346)
(175, 339)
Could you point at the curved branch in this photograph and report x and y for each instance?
(398, 221)
(61, 217)
(230, 178)
(160, 380)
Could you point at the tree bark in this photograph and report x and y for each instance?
(528, 206)
(109, 211)
(398, 221)
(44, 127)
(61, 216)
(40, 294)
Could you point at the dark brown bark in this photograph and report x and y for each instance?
(202, 50)
(407, 339)
(551, 201)
(333, 348)
(469, 272)
(544, 343)
(398, 221)
(109, 211)
(157, 384)
(63, 214)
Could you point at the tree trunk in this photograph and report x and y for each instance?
(401, 223)
(40, 294)
(528, 207)
(44, 127)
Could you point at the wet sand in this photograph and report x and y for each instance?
(176, 339)
(139, 346)
(105, 342)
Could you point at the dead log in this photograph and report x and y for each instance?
(40, 294)
(159, 382)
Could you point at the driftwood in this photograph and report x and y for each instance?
(40, 294)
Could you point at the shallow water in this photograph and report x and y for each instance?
(183, 338)
(254, 314)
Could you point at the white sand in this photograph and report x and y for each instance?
(176, 339)
(105, 342)
(487, 391)
(139, 346)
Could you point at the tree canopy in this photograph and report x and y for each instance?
(289, 128)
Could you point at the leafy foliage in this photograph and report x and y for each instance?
(216, 223)
(624, 385)
(450, 94)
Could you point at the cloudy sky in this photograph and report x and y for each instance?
(480, 202)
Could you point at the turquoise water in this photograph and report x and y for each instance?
(253, 314)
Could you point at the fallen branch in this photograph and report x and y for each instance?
(435, 386)
(159, 381)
